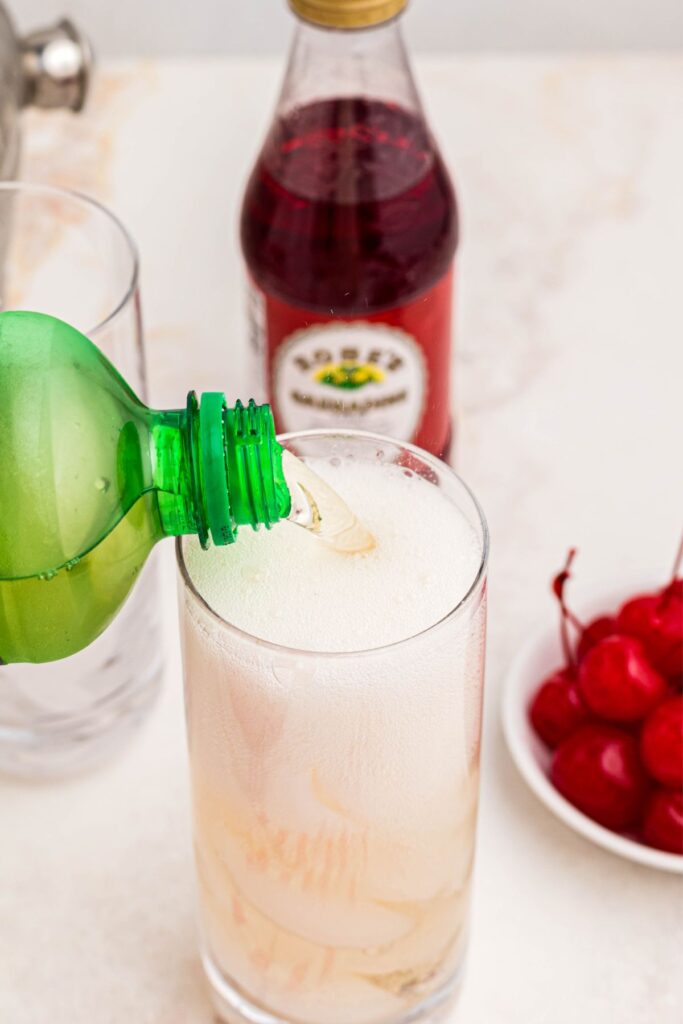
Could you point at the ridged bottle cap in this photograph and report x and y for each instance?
(259, 495)
(240, 465)
(347, 13)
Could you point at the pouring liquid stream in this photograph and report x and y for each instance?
(318, 508)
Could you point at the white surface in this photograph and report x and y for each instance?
(260, 26)
(568, 374)
(538, 657)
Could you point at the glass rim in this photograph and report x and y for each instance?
(58, 191)
(465, 601)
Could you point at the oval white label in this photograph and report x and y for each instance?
(357, 375)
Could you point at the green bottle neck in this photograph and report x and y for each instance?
(217, 468)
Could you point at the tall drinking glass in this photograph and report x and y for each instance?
(335, 794)
(64, 254)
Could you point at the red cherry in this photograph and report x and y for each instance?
(676, 683)
(661, 742)
(663, 820)
(617, 682)
(594, 632)
(557, 710)
(657, 621)
(599, 771)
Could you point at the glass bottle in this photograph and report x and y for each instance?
(349, 230)
(91, 479)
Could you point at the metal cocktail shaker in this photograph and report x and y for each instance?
(48, 68)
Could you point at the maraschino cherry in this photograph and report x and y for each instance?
(657, 621)
(617, 681)
(557, 709)
(661, 743)
(663, 820)
(598, 770)
(593, 633)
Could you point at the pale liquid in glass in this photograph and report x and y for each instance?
(335, 797)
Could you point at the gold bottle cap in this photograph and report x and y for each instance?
(347, 13)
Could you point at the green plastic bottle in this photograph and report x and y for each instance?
(91, 479)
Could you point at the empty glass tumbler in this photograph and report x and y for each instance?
(65, 254)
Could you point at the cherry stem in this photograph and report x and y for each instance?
(670, 587)
(677, 561)
(567, 616)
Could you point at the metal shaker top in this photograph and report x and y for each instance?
(56, 64)
(48, 68)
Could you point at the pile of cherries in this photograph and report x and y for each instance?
(613, 715)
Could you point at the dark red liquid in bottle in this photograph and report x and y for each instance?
(350, 218)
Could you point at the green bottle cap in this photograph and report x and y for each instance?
(240, 463)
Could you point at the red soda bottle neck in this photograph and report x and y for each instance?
(327, 63)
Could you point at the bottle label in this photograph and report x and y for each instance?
(387, 373)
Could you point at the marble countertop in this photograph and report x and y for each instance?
(568, 382)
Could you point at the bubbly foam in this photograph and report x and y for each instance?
(287, 587)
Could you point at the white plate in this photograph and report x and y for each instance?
(537, 659)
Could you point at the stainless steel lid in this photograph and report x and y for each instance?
(49, 68)
(56, 64)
